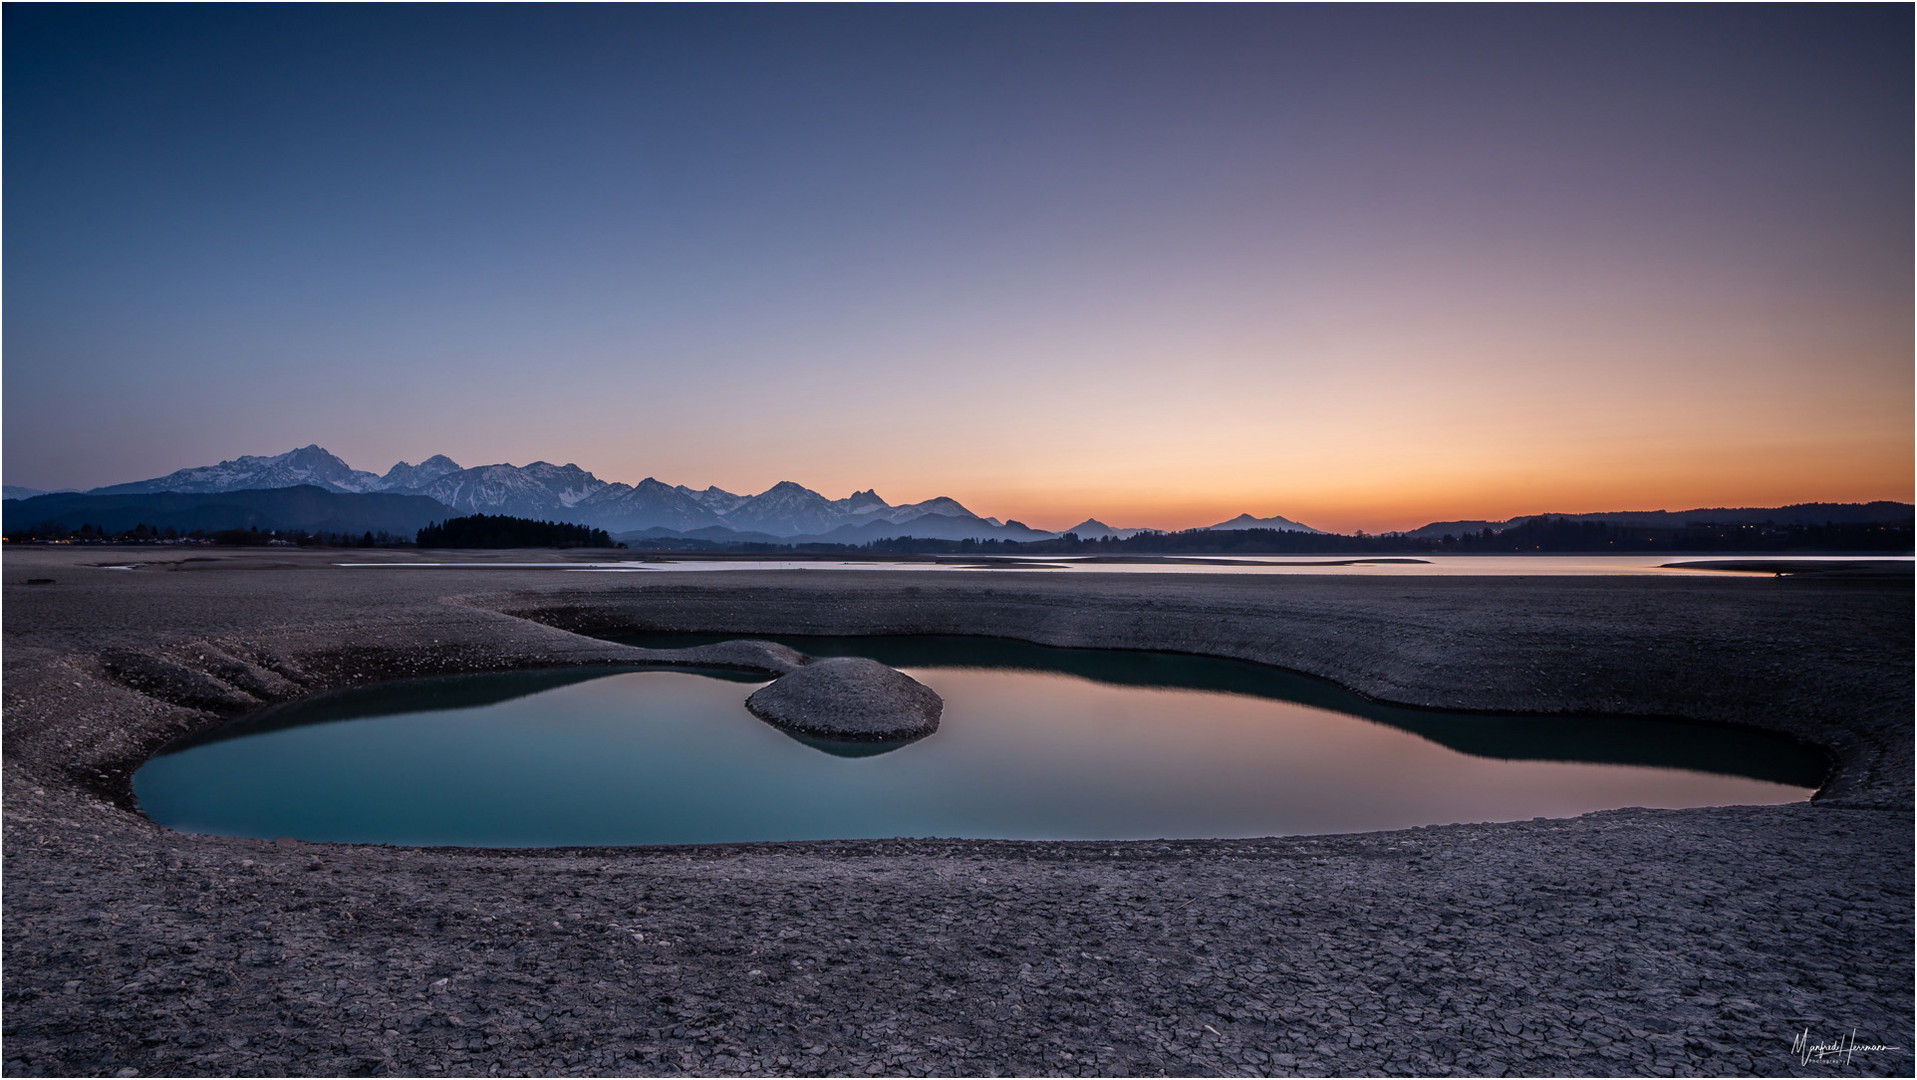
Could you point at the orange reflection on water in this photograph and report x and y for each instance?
(1185, 763)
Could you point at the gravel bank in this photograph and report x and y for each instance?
(1656, 942)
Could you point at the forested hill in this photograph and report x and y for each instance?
(501, 531)
(291, 509)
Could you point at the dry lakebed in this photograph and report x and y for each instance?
(1710, 941)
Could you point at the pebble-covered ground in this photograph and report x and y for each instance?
(1628, 942)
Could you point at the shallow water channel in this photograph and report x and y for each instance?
(1036, 743)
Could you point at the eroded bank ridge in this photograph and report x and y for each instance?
(197, 644)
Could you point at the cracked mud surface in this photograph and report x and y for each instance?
(1627, 942)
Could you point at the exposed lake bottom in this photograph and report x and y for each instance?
(587, 757)
(1703, 927)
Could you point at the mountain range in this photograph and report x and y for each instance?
(785, 513)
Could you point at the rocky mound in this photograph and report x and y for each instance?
(849, 698)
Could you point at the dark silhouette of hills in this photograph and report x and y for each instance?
(291, 509)
(1094, 529)
(1795, 514)
(1539, 536)
(1274, 523)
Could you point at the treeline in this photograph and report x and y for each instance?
(501, 531)
(1554, 535)
(1568, 535)
(1539, 535)
(253, 537)
(55, 532)
(477, 531)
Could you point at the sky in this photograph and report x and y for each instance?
(1364, 267)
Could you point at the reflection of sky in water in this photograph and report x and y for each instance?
(666, 757)
(1423, 566)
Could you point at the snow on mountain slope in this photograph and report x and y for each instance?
(539, 490)
(405, 477)
(789, 509)
(306, 465)
(568, 493)
(646, 505)
(862, 505)
(942, 506)
(714, 499)
(785, 509)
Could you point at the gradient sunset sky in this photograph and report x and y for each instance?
(1365, 267)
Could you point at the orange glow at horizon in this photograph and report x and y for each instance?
(1386, 503)
(1362, 268)
(1356, 437)
(1382, 493)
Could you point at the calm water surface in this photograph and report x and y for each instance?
(1383, 566)
(669, 757)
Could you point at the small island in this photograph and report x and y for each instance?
(849, 699)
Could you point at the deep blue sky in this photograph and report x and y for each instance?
(1355, 264)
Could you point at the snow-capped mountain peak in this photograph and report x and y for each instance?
(941, 505)
(539, 490)
(716, 499)
(784, 509)
(863, 502)
(405, 477)
(310, 464)
(545, 491)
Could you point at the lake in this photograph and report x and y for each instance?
(1035, 743)
(1653, 564)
